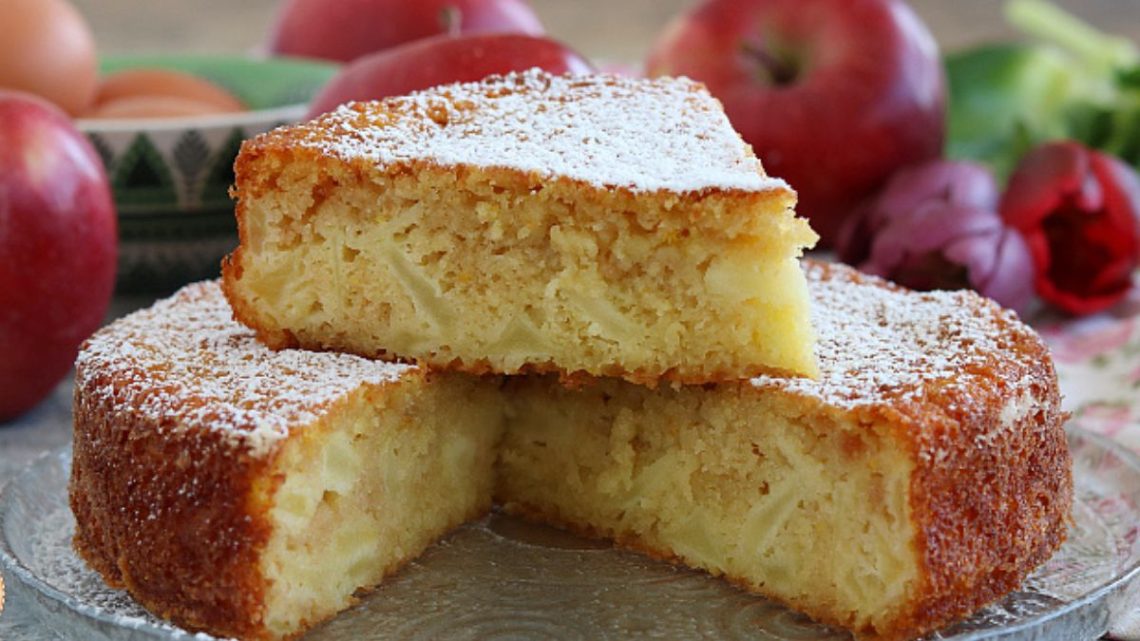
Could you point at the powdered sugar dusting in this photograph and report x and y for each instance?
(609, 131)
(185, 362)
(878, 344)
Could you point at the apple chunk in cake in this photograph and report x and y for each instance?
(924, 474)
(528, 223)
(254, 493)
(250, 492)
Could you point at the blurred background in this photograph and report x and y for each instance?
(619, 30)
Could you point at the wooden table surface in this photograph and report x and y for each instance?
(619, 30)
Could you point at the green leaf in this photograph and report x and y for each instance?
(1100, 53)
(1088, 123)
(1073, 82)
(999, 92)
(1125, 140)
(1128, 78)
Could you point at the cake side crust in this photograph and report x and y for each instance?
(993, 487)
(966, 393)
(179, 418)
(176, 521)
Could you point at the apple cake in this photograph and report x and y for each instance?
(581, 225)
(250, 492)
(924, 474)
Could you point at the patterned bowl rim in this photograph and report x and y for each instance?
(118, 125)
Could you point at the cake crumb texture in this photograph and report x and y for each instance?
(529, 223)
(252, 492)
(924, 474)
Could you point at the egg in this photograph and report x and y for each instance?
(154, 107)
(157, 93)
(46, 48)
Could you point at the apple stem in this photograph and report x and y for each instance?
(451, 19)
(780, 70)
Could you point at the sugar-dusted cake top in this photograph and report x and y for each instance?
(608, 131)
(186, 363)
(881, 345)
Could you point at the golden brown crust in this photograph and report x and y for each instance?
(990, 498)
(340, 151)
(992, 504)
(262, 157)
(992, 491)
(169, 516)
(179, 416)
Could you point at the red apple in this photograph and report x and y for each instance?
(58, 247)
(347, 29)
(834, 95)
(441, 60)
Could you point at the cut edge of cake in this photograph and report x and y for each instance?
(966, 396)
(473, 227)
(227, 487)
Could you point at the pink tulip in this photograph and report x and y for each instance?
(935, 226)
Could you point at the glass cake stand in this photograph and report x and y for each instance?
(501, 578)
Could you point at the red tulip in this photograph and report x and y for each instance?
(1079, 210)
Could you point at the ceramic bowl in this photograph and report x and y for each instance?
(170, 176)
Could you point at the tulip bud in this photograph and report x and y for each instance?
(935, 183)
(935, 226)
(1079, 211)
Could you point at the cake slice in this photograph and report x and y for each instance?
(923, 475)
(529, 223)
(251, 493)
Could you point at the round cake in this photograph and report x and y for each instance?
(252, 493)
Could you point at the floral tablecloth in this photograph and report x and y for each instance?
(1098, 364)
